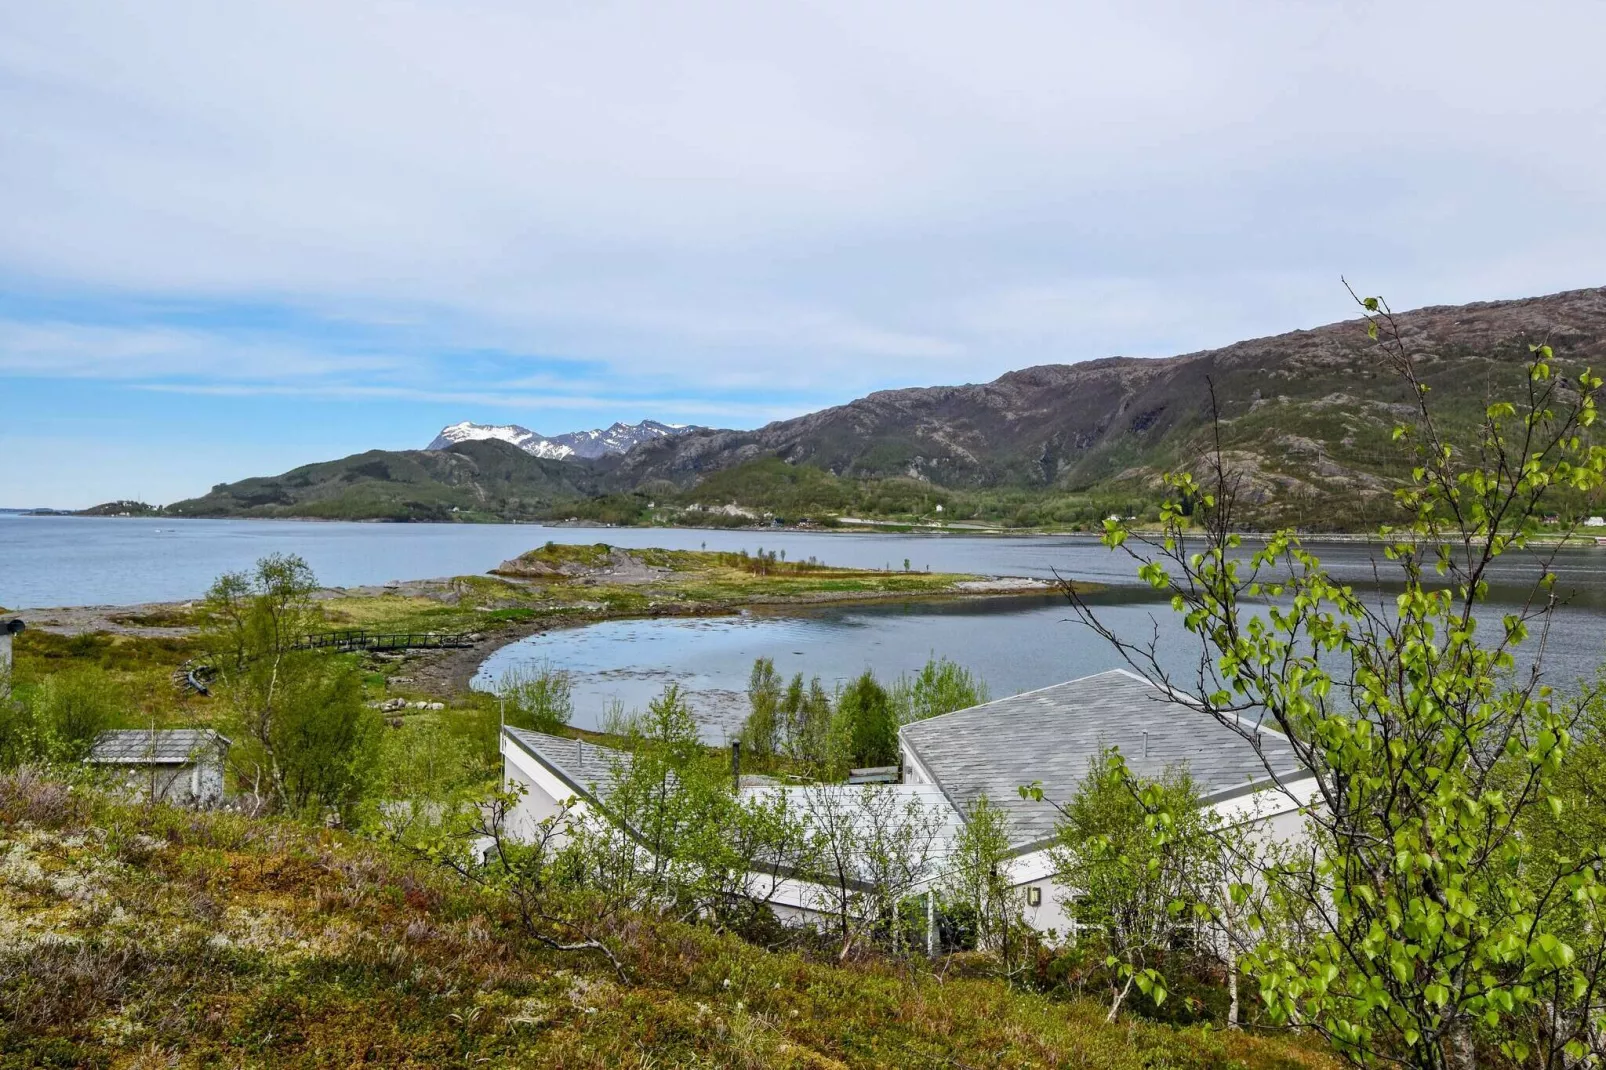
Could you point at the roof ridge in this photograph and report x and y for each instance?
(530, 740)
(1129, 674)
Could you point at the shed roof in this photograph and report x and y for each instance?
(583, 766)
(142, 746)
(1049, 736)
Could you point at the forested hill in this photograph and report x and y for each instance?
(1305, 421)
(481, 480)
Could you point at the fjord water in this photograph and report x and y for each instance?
(72, 561)
(1014, 644)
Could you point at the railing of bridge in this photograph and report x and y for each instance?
(363, 639)
(194, 674)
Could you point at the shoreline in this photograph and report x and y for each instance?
(446, 674)
(855, 526)
(451, 672)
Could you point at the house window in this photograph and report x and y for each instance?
(1034, 896)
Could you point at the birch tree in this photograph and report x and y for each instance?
(306, 740)
(874, 847)
(1432, 923)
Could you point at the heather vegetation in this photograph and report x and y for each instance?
(142, 935)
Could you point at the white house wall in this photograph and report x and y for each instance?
(1269, 803)
(914, 771)
(1275, 817)
(196, 783)
(543, 792)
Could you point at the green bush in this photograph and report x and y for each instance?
(866, 724)
(941, 686)
(540, 699)
(59, 718)
(764, 698)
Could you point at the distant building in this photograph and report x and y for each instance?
(9, 626)
(1595, 522)
(178, 765)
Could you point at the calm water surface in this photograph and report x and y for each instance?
(1014, 644)
(68, 561)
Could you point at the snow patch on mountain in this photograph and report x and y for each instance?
(589, 445)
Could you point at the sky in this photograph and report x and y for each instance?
(241, 237)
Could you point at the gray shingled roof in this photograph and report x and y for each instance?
(141, 746)
(580, 764)
(1049, 735)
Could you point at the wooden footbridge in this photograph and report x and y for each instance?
(361, 639)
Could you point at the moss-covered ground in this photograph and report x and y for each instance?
(136, 936)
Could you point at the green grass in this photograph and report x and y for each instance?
(690, 581)
(141, 666)
(686, 582)
(150, 936)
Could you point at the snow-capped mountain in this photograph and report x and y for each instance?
(522, 437)
(588, 445)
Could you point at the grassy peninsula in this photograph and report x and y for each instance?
(140, 647)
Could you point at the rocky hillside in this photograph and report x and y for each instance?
(1305, 414)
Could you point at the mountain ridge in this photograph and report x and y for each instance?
(1304, 422)
(475, 480)
(618, 437)
(1303, 412)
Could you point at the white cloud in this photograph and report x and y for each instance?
(822, 197)
(75, 350)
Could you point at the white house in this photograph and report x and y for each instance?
(1047, 737)
(551, 771)
(180, 765)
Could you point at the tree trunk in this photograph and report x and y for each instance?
(1120, 995)
(1458, 1051)
(1232, 989)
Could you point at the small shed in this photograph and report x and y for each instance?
(177, 765)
